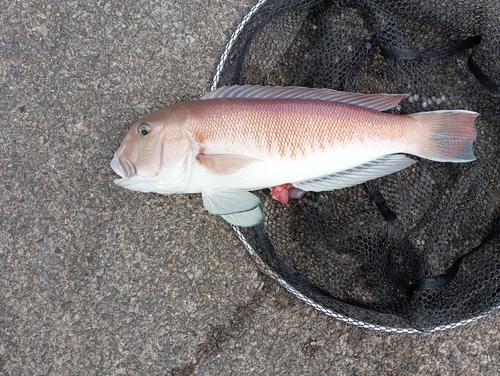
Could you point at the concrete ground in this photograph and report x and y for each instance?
(95, 279)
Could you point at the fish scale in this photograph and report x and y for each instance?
(265, 128)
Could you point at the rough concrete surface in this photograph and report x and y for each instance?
(95, 279)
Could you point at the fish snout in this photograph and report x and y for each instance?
(123, 167)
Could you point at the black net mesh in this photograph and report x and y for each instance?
(413, 251)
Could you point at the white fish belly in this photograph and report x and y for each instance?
(270, 173)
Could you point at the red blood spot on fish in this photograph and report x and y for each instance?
(280, 193)
(284, 192)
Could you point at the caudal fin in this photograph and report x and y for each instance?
(449, 137)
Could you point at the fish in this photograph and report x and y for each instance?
(242, 138)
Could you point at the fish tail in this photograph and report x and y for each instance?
(450, 135)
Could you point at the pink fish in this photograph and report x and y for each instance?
(243, 138)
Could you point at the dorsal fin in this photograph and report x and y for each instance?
(379, 102)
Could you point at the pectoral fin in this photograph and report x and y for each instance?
(224, 164)
(240, 208)
(245, 219)
(357, 175)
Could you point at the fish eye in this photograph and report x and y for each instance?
(143, 129)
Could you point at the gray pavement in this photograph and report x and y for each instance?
(95, 279)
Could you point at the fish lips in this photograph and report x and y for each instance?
(123, 167)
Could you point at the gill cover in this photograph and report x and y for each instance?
(176, 162)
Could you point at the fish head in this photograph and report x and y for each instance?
(156, 154)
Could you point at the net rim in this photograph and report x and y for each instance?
(263, 267)
(231, 41)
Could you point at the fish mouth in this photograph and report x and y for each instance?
(123, 167)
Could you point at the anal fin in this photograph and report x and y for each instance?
(357, 175)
